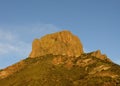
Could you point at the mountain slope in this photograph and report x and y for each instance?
(80, 71)
(53, 67)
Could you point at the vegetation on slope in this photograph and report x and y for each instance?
(57, 70)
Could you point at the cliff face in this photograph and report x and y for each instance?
(60, 43)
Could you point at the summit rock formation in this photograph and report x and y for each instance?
(60, 43)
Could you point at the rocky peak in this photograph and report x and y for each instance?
(59, 43)
(99, 55)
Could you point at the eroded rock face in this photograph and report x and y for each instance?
(99, 55)
(60, 43)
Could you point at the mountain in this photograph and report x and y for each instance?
(58, 59)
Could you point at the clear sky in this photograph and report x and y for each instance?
(95, 22)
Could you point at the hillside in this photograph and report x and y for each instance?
(58, 63)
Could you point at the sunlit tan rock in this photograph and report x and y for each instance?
(59, 43)
(99, 55)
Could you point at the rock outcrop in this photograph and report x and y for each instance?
(99, 55)
(59, 43)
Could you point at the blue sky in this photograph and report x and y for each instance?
(95, 22)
